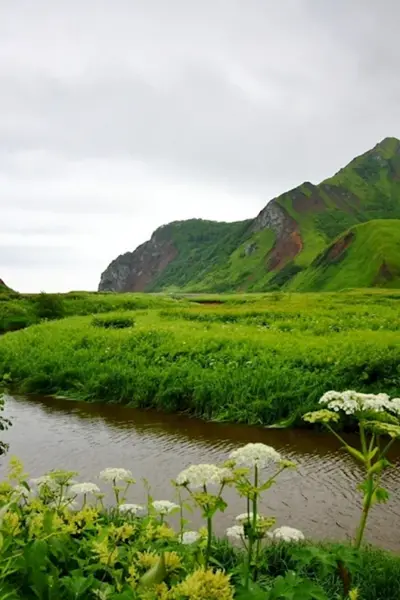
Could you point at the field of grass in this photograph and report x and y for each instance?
(18, 311)
(258, 359)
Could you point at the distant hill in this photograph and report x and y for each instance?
(3, 285)
(277, 249)
(367, 255)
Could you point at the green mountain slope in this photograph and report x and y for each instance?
(367, 255)
(274, 249)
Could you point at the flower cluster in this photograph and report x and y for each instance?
(351, 402)
(236, 532)
(85, 488)
(197, 476)
(116, 474)
(255, 455)
(133, 509)
(190, 537)
(287, 534)
(164, 507)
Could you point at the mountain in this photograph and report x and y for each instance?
(276, 249)
(3, 285)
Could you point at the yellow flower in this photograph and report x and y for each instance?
(204, 585)
(133, 577)
(124, 532)
(154, 531)
(147, 560)
(353, 594)
(16, 470)
(11, 523)
(164, 532)
(105, 555)
(35, 527)
(156, 592)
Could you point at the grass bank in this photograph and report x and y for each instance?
(255, 359)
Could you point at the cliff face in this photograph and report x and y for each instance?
(134, 271)
(272, 249)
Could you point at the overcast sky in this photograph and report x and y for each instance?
(117, 116)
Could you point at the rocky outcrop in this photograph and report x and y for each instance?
(288, 243)
(134, 271)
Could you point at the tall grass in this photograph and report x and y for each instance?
(263, 360)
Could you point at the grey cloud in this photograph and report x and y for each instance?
(240, 98)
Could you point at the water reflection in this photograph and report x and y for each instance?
(319, 497)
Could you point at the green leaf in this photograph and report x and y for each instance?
(355, 453)
(255, 592)
(154, 575)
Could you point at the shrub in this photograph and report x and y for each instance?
(113, 322)
(49, 306)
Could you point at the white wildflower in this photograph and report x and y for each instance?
(190, 537)
(164, 507)
(255, 455)
(287, 534)
(45, 480)
(85, 488)
(351, 402)
(131, 508)
(21, 492)
(245, 517)
(235, 532)
(199, 475)
(116, 474)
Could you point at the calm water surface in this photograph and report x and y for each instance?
(320, 497)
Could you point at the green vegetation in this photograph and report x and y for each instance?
(257, 359)
(113, 321)
(201, 246)
(367, 255)
(18, 311)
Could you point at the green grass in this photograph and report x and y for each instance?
(372, 259)
(251, 359)
(18, 311)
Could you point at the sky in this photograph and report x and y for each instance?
(119, 116)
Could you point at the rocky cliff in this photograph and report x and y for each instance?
(271, 250)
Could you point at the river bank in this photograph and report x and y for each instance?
(256, 360)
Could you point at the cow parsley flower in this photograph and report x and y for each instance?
(199, 475)
(351, 402)
(245, 517)
(164, 507)
(190, 537)
(287, 534)
(20, 491)
(84, 488)
(134, 509)
(236, 532)
(255, 455)
(116, 474)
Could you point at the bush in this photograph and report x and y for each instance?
(113, 322)
(49, 306)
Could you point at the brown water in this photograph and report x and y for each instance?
(320, 497)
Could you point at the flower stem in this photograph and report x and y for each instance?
(364, 516)
(209, 539)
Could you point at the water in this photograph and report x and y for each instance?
(320, 497)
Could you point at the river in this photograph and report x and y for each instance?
(319, 497)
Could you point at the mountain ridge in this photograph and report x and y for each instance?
(272, 249)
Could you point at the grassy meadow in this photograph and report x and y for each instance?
(258, 359)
